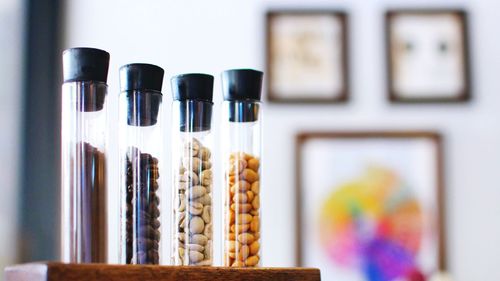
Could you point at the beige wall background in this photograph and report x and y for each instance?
(210, 36)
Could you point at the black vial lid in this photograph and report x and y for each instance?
(141, 76)
(242, 84)
(142, 84)
(85, 64)
(193, 86)
(194, 91)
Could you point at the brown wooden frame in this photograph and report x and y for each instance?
(436, 137)
(463, 96)
(344, 96)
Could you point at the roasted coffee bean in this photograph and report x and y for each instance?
(142, 208)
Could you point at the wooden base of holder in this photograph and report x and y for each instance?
(100, 272)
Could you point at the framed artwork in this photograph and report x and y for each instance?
(306, 53)
(428, 57)
(370, 205)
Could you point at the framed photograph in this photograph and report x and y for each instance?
(428, 57)
(370, 205)
(306, 55)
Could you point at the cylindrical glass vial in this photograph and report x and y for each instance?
(83, 155)
(241, 158)
(192, 169)
(141, 163)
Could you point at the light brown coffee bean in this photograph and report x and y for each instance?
(237, 166)
(181, 203)
(231, 236)
(246, 238)
(256, 235)
(256, 187)
(195, 247)
(195, 208)
(255, 224)
(191, 149)
(205, 165)
(249, 175)
(254, 248)
(205, 200)
(181, 253)
(195, 256)
(238, 264)
(207, 214)
(199, 239)
(231, 246)
(241, 208)
(208, 251)
(196, 225)
(256, 202)
(250, 196)
(244, 218)
(231, 180)
(181, 220)
(240, 198)
(241, 186)
(240, 228)
(190, 177)
(204, 153)
(208, 230)
(244, 252)
(254, 212)
(192, 163)
(206, 177)
(252, 261)
(197, 191)
(253, 164)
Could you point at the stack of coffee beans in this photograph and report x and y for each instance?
(242, 240)
(193, 209)
(142, 208)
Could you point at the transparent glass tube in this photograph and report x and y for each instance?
(241, 158)
(192, 183)
(141, 164)
(83, 165)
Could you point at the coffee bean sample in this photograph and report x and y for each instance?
(88, 209)
(193, 210)
(142, 212)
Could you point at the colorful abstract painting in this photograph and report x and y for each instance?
(369, 207)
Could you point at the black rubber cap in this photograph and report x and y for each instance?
(242, 84)
(141, 76)
(193, 86)
(85, 64)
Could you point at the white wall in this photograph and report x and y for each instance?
(11, 62)
(210, 36)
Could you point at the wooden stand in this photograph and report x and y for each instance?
(100, 272)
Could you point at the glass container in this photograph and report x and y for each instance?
(83, 155)
(241, 159)
(141, 163)
(192, 144)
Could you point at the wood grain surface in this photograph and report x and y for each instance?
(100, 272)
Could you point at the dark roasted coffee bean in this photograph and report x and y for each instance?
(156, 224)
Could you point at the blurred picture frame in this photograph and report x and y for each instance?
(370, 205)
(307, 56)
(428, 56)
